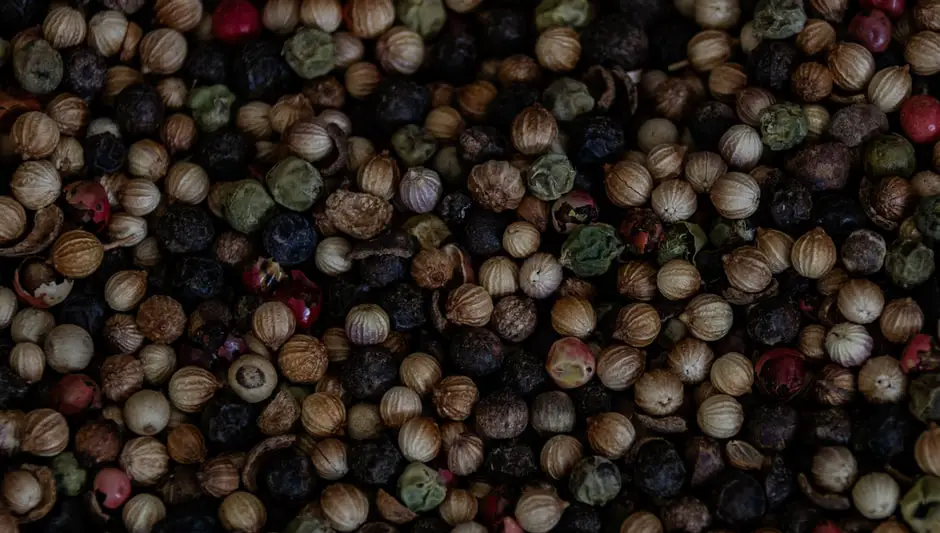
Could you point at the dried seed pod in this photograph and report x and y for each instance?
(901, 320)
(539, 510)
(419, 439)
(691, 359)
(573, 317)
(814, 254)
(455, 397)
(735, 195)
(922, 52)
(399, 405)
(720, 416)
(852, 66)
(191, 387)
(637, 324)
(881, 380)
(637, 280)
(747, 269)
(323, 414)
(367, 324)
(45, 433)
(732, 374)
(674, 200)
(186, 445)
(708, 316)
(659, 392)
(702, 170)
(243, 512)
(610, 435)
(145, 460)
(741, 147)
(345, 506)
(628, 184)
(273, 323)
(776, 246)
(848, 344)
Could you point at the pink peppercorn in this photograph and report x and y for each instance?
(570, 363)
(893, 8)
(235, 21)
(112, 488)
(872, 29)
(920, 118)
(76, 392)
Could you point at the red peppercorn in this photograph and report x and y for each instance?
(112, 487)
(920, 119)
(781, 372)
(872, 29)
(893, 8)
(76, 392)
(235, 21)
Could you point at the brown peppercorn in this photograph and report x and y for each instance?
(515, 318)
(811, 82)
(473, 99)
(161, 319)
(725, 81)
(747, 269)
(637, 280)
(98, 442)
(852, 66)
(186, 445)
(303, 359)
(674, 98)
(218, 477)
(534, 130)
(77, 254)
(610, 435)
(658, 392)
(708, 49)
(573, 317)
(501, 415)
(638, 325)
(922, 52)
(121, 376)
(455, 397)
(496, 185)
(323, 414)
(469, 305)
(814, 254)
(558, 49)
(190, 388)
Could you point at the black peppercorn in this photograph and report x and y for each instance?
(779, 482)
(772, 427)
(405, 306)
(705, 457)
(476, 352)
(709, 121)
(524, 372)
(287, 477)
(739, 499)
(822, 167)
(85, 72)
(190, 518)
(509, 102)
(857, 123)
(510, 461)
(478, 144)
(225, 154)
(70, 515)
(454, 207)
(399, 102)
(501, 415)
(208, 64)
(839, 214)
(614, 40)
(341, 295)
(17, 15)
(483, 232)
(590, 399)
(828, 426)
(881, 431)
(505, 31)
(771, 63)
(595, 140)
(790, 204)
(429, 524)
(454, 57)
(659, 471)
(773, 321)
(104, 154)
(579, 518)
(369, 372)
(374, 462)
(260, 72)
(139, 110)
(799, 516)
(686, 514)
(184, 229)
(289, 238)
(198, 278)
(84, 307)
(230, 424)
(13, 389)
(382, 270)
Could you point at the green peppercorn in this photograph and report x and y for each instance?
(294, 183)
(927, 217)
(414, 145)
(212, 107)
(783, 126)
(69, 476)
(889, 155)
(424, 17)
(310, 53)
(38, 67)
(909, 263)
(247, 206)
(681, 240)
(421, 488)
(925, 397)
(550, 176)
(448, 165)
(590, 248)
(594, 481)
(920, 507)
(779, 19)
(574, 13)
(567, 98)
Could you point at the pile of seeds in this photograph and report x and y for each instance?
(470, 266)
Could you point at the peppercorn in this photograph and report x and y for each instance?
(822, 167)
(659, 470)
(428, 524)
(790, 204)
(139, 110)
(224, 154)
(771, 64)
(229, 424)
(709, 121)
(889, 155)
(510, 461)
(17, 15)
(399, 102)
(501, 415)
(454, 207)
(773, 321)
(198, 278)
(69, 515)
(38, 67)
(483, 232)
(13, 389)
(579, 518)
(523, 372)
(881, 432)
(594, 481)
(405, 305)
(289, 238)
(184, 229)
(104, 154)
(208, 64)
(369, 372)
(838, 214)
(85, 71)
(260, 72)
(454, 57)
(509, 102)
(479, 144)
(505, 31)
(783, 126)
(614, 40)
(375, 462)
(739, 499)
(909, 263)
(772, 426)
(287, 477)
(189, 518)
(593, 141)
(779, 482)
(857, 124)
(476, 352)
